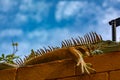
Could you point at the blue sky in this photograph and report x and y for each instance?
(37, 23)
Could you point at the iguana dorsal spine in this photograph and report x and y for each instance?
(71, 48)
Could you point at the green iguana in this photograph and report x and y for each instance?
(74, 49)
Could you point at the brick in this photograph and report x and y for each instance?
(47, 71)
(103, 62)
(98, 76)
(69, 78)
(8, 74)
(115, 75)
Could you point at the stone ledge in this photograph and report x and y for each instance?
(8, 74)
(105, 62)
(98, 76)
(47, 71)
(115, 75)
(67, 70)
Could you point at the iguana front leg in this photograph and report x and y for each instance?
(79, 59)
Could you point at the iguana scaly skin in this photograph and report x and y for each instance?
(74, 49)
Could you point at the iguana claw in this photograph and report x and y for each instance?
(79, 59)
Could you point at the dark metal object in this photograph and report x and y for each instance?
(115, 20)
(115, 23)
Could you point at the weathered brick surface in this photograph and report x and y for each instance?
(115, 75)
(67, 70)
(98, 76)
(8, 74)
(105, 62)
(47, 71)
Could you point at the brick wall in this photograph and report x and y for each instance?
(107, 67)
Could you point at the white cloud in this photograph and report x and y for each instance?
(103, 26)
(3, 19)
(34, 10)
(42, 38)
(118, 33)
(117, 0)
(11, 32)
(38, 34)
(19, 12)
(20, 18)
(35, 39)
(5, 47)
(7, 5)
(66, 9)
(100, 15)
(24, 48)
(110, 14)
(51, 37)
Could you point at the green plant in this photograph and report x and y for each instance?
(15, 47)
(10, 57)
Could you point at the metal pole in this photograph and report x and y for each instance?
(114, 31)
(115, 23)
